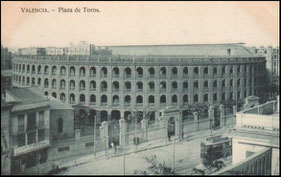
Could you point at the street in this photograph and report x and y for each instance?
(187, 156)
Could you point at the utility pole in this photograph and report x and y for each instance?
(95, 131)
(174, 154)
(124, 162)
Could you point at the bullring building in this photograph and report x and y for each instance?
(145, 77)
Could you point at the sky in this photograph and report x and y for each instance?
(140, 23)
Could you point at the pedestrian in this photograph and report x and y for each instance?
(182, 135)
(138, 141)
(169, 136)
(115, 149)
(112, 145)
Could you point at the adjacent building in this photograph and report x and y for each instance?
(255, 141)
(56, 51)
(29, 119)
(5, 138)
(6, 58)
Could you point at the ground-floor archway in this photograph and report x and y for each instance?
(171, 126)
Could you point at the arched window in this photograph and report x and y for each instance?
(127, 99)
(223, 96)
(82, 98)
(185, 98)
(72, 71)
(223, 70)
(127, 86)
(163, 99)
(223, 83)
(82, 72)
(54, 94)
(185, 70)
(151, 71)
(62, 71)
(128, 72)
(82, 85)
(92, 99)
(115, 86)
(163, 85)
(215, 97)
(115, 100)
(103, 71)
(33, 68)
(20, 67)
(72, 98)
(238, 69)
(103, 86)
(39, 69)
(195, 71)
(195, 84)
(206, 71)
(139, 99)
(238, 83)
(62, 97)
(195, 98)
(46, 70)
(62, 84)
(185, 85)
(23, 68)
(174, 99)
(103, 99)
(139, 72)
(39, 81)
(206, 85)
(206, 97)
(60, 125)
(46, 83)
(163, 71)
(93, 85)
(215, 70)
(93, 72)
(54, 83)
(115, 72)
(230, 69)
(33, 81)
(72, 85)
(174, 70)
(215, 84)
(151, 99)
(28, 68)
(23, 80)
(231, 82)
(151, 86)
(54, 70)
(140, 86)
(231, 96)
(174, 85)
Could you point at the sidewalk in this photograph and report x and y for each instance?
(132, 149)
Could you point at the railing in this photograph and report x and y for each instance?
(82, 88)
(93, 75)
(93, 103)
(93, 89)
(127, 104)
(103, 104)
(128, 75)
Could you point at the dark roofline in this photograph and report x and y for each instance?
(156, 45)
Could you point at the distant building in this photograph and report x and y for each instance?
(255, 141)
(32, 51)
(273, 67)
(82, 48)
(56, 51)
(6, 80)
(6, 59)
(5, 138)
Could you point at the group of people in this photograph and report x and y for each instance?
(136, 141)
(170, 134)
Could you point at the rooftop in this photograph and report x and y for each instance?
(57, 104)
(28, 94)
(236, 49)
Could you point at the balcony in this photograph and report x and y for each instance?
(174, 76)
(103, 75)
(54, 73)
(128, 75)
(72, 74)
(72, 88)
(115, 90)
(115, 103)
(82, 102)
(139, 104)
(46, 73)
(103, 89)
(54, 87)
(163, 90)
(127, 90)
(82, 75)
(62, 87)
(103, 104)
(115, 75)
(93, 103)
(151, 76)
(185, 89)
(93, 89)
(39, 72)
(195, 75)
(127, 104)
(152, 90)
(82, 88)
(45, 86)
(163, 104)
(174, 90)
(33, 72)
(72, 102)
(93, 75)
(163, 76)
